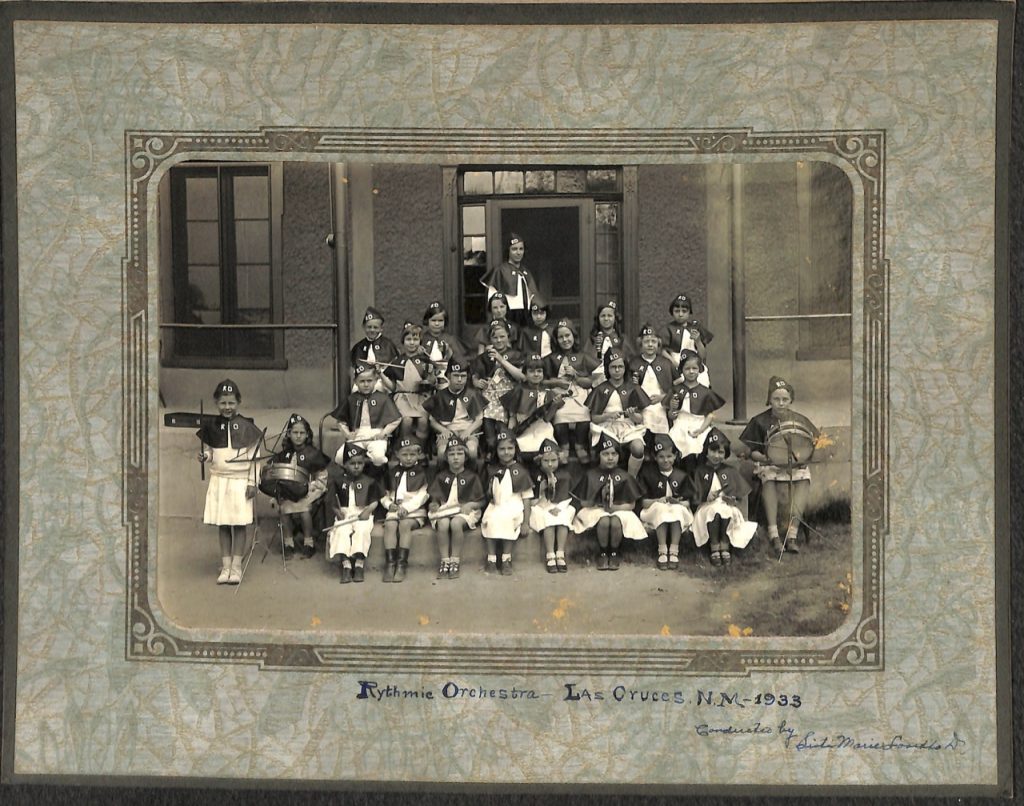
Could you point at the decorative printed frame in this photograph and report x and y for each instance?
(860, 645)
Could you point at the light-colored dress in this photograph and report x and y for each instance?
(739, 531)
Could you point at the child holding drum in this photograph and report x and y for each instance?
(308, 466)
(781, 442)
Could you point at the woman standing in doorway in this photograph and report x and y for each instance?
(513, 280)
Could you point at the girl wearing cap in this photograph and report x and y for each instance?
(718, 521)
(375, 348)
(655, 374)
(683, 332)
(569, 371)
(667, 496)
(495, 373)
(617, 409)
(509, 490)
(692, 409)
(607, 496)
(439, 345)
(405, 503)
(606, 333)
(796, 474)
(537, 336)
(413, 377)
(368, 417)
(456, 499)
(456, 409)
(497, 311)
(552, 511)
(297, 450)
(353, 497)
(512, 279)
(229, 442)
(531, 408)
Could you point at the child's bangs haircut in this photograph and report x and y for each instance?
(716, 439)
(433, 309)
(534, 361)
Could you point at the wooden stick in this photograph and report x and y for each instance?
(202, 463)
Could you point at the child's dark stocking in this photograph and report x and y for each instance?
(603, 540)
(615, 540)
(675, 534)
(549, 550)
(561, 536)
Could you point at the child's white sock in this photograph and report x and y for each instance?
(506, 558)
(492, 558)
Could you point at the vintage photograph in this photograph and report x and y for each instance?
(493, 383)
(604, 397)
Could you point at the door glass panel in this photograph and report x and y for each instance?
(252, 241)
(508, 181)
(540, 181)
(602, 179)
(203, 242)
(552, 239)
(607, 250)
(572, 181)
(201, 198)
(477, 183)
(252, 197)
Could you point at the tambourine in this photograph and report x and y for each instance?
(789, 443)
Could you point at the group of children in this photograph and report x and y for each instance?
(461, 437)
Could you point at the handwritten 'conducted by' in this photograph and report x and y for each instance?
(798, 740)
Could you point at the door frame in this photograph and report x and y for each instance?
(585, 229)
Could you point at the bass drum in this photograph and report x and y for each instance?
(789, 443)
(284, 482)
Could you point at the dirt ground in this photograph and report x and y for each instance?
(637, 599)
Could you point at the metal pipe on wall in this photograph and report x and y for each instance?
(338, 240)
(739, 291)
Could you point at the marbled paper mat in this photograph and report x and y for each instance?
(83, 708)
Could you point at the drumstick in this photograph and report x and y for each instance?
(345, 522)
(202, 463)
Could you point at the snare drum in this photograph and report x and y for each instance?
(789, 443)
(284, 481)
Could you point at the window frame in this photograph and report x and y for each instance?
(172, 207)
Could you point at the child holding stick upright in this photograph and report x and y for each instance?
(509, 491)
(668, 492)
(456, 499)
(456, 409)
(229, 443)
(719, 520)
(552, 511)
(607, 495)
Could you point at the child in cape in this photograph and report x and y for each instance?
(353, 497)
(617, 408)
(413, 377)
(692, 409)
(297, 450)
(667, 496)
(456, 409)
(569, 370)
(497, 311)
(531, 408)
(456, 500)
(440, 345)
(405, 504)
(606, 334)
(683, 332)
(537, 336)
(229, 443)
(794, 472)
(495, 373)
(375, 348)
(718, 521)
(656, 375)
(552, 511)
(368, 417)
(509, 491)
(607, 496)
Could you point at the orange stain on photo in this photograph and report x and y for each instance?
(424, 621)
(315, 621)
